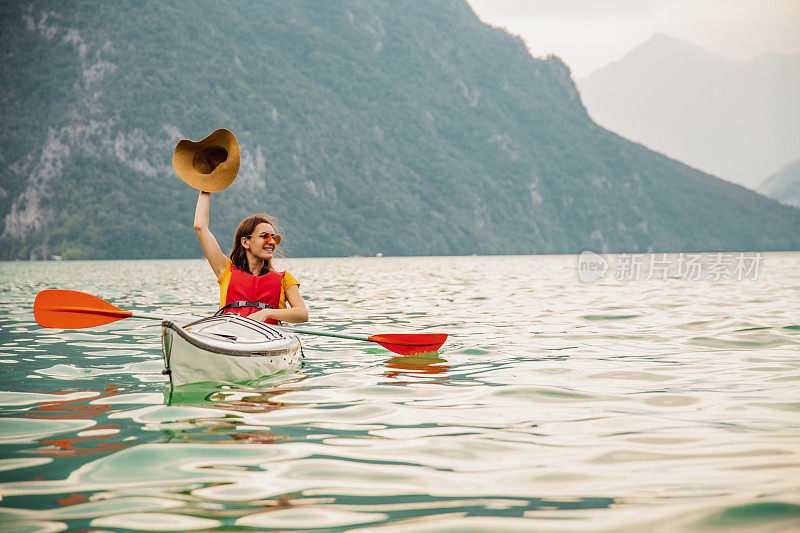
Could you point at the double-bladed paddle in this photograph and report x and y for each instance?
(65, 309)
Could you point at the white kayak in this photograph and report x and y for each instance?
(226, 347)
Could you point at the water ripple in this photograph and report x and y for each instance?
(657, 405)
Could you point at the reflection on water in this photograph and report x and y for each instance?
(555, 405)
(429, 368)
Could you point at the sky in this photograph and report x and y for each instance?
(589, 34)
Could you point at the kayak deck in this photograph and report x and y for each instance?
(226, 348)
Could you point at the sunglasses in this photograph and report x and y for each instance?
(269, 236)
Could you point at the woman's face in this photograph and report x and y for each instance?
(260, 243)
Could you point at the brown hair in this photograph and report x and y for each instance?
(246, 227)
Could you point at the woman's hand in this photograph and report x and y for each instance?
(296, 313)
(262, 315)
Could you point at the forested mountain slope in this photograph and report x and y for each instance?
(403, 127)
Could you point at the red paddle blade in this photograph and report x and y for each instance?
(55, 308)
(410, 343)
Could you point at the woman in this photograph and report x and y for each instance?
(248, 283)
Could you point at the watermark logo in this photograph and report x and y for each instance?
(685, 266)
(591, 267)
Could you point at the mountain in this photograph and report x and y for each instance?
(366, 126)
(784, 185)
(737, 120)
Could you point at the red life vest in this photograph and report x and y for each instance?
(244, 286)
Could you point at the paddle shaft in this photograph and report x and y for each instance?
(325, 333)
(68, 309)
(139, 314)
(308, 331)
(136, 314)
(119, 313)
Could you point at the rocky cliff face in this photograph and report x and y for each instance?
(396, 127)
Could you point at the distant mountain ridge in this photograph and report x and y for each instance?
(366, 126)
(737, 120)
(784, 185)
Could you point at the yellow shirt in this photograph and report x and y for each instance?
(286, 281)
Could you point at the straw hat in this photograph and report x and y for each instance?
(208, 165)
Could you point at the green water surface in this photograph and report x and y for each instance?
(556, 405)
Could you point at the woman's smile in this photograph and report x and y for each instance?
(262, 242)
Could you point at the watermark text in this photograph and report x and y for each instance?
(685, 266)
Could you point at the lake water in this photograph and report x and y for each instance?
(556, 405)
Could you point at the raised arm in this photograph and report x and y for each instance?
(211, 248)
